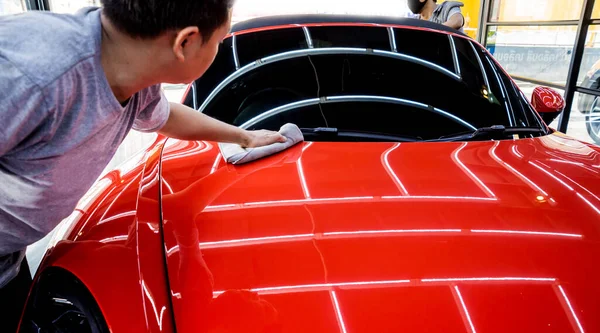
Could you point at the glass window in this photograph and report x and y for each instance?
(12, 7)
(436, 50)
(471, 13)
(589, 74)
(596, 11)
(584, 123)
(254, 46)
(536, 52)
(71, 6)
(535, 10)
(349, 36)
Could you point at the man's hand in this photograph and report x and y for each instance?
(188, 124)
(262, 138)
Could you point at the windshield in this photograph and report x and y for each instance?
(400, 82)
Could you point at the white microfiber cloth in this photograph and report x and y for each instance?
(235, 154)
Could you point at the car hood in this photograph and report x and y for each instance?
(380, 237)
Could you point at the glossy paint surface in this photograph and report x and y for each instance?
(112, 244)
(546, 99)
(385, 237)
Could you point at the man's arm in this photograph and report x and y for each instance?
(456, 21)
(185, 123)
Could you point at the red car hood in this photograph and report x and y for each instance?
(383, 237)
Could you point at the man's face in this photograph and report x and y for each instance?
(200, 55)
(416, 6)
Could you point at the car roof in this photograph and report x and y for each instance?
(279, 20)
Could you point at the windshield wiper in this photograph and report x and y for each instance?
(371, 136)
(496, 131)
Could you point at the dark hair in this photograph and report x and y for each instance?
(150, 18)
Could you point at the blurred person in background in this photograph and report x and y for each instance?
(447, 13)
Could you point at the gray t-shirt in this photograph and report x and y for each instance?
(60, 123)
(443, 12)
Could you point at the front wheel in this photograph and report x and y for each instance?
(592, 121)
(60, 303)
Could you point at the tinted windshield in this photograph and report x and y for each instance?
(375, 79)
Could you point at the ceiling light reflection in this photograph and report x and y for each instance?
(369, 234)
(516, 151)
(300, 169)
(470, 173)
(551, 175)
(338, 312)
(464, 308)
(358, 285)
(588, 202)
(216, 164)
(489, 279)
(536, 233)
(289, 202)
(566, 299)
(515, 172)
(388, 168)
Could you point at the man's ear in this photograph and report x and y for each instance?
(183, 39)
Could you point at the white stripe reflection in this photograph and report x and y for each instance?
(388, 168)
(470, 173)
(464, 308)
(568, 302)
(358, 285)
(338, 311)
(370, 234)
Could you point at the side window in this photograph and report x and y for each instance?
(254, 46)
(348, 36)
(520, 108)
(428, 46)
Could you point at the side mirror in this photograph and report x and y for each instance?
(548, 103)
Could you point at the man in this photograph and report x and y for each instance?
(448, 13)
(71, 88)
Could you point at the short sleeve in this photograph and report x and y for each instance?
(454, 11)
(22, 110)
(155, 110)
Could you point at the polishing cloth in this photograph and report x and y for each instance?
(235, 154)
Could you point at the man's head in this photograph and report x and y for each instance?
(416, 6)
(193, 29)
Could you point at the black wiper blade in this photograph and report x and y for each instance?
(492, 131)
(372, 136)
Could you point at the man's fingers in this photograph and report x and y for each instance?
(281, 138)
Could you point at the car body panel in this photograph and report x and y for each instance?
(112, 244)
(360, 237)
(343, 237)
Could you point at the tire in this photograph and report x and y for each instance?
(592, 121)
(60, 303)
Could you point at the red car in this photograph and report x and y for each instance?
(429, 196)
